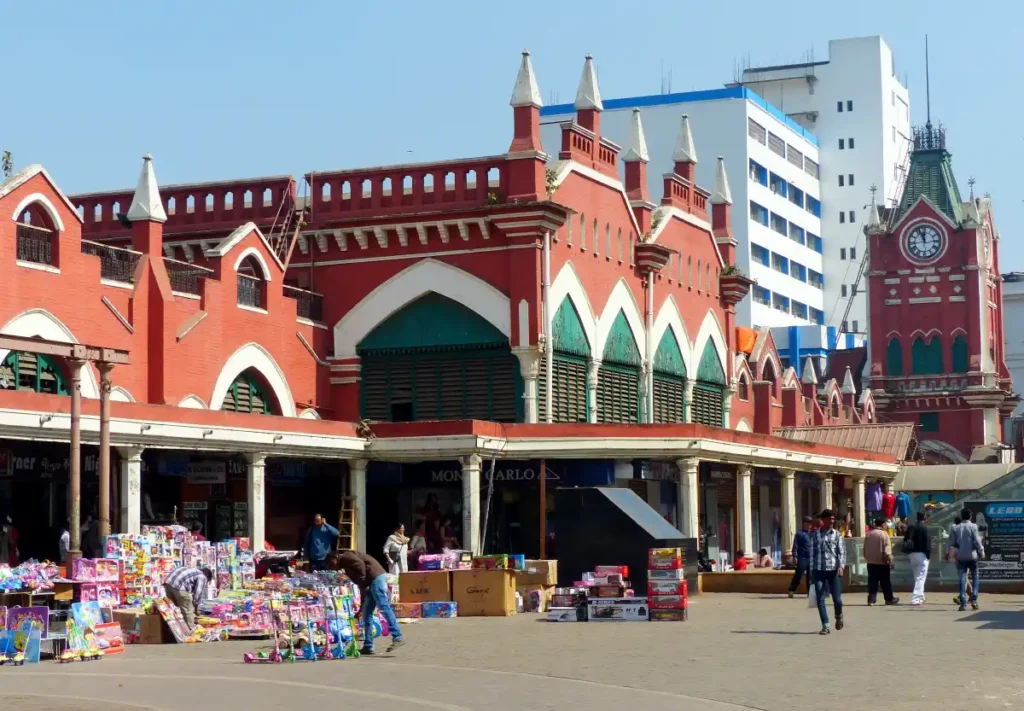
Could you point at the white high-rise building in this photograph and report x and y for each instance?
(772, 163)
(860, 111)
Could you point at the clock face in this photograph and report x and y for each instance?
(924, 242)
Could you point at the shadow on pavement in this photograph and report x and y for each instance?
(996, 619)
(783, 632)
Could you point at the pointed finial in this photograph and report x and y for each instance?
(848, 386)
(722, 193)
(637, 140)
(809, 377)
(874, 218)
(971, 181)
(684, 152)
(146, 203)
(588, 95)
(526, 91)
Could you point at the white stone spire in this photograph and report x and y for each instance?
(146, 204)
(809, 377)
(637, 141)
(588, 95)
(722, 193)
(684, 152)
(848, 387)
(526, 91)
(874, 220)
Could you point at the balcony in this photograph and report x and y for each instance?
(35, 244)
(185, 278)
(250, 291)
(310, 305)
(116, 264)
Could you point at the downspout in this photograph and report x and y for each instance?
(649, 378)
(549, 346)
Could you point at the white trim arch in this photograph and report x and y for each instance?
(51, 210)
(252, 251)
(39, 323)
(568, 283)
(421, 278)
(711, 329)
(193, 402)
(309, 414)
(621, 299)
(255, 356)
(669, 316)
(743, 425)
(119, 394)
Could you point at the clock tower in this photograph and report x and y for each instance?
(936, 305)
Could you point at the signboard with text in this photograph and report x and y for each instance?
(1001, 525)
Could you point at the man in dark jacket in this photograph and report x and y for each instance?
(368, 574)
(801, 555)
(918, 544)
(319, 540)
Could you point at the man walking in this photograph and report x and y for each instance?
(801, 555)
(918, 544)
(319, 540)
(186, 588)
(369, 576)
(965, 543)
(878, 556)
(828, 558)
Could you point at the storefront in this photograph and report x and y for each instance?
(718, 509)
(657, 483)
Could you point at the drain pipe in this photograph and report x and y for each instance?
(545, 298)
(649, 376)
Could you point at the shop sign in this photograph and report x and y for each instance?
(47, 467)
(207, 472)
(658, 471)
(1001, 525)
(447, 476)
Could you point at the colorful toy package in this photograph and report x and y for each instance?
(440, 609)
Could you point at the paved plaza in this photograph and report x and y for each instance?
(737, 651)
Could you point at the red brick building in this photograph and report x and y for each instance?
(455, 308)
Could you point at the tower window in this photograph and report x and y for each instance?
(840, 181)
(850, 179)
(842, 252)
(839, 106)
(849, 106)
(850, 141)
(853, 252)
(842, 218)
(842, 144)
(853, 216)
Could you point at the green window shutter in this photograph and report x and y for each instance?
(706, 407)
(567, 331)
(569, 381)
(894, 357)
(668, 359)
(710, 368)
(618, 394)
(960, 361)
(668, 398)
(926, 359)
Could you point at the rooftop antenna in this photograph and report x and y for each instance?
(927, 83)
(873, 189)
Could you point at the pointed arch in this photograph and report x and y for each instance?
(711, 331)
(193, 402)
(40, 323)
(894, 357)
(669, 379)
(959, 359)
(621, 300)
(568, 284)
(256, 357)
(119, 394)
(428, 275)
(743, 425)
(670, 318)
(44, 202)
(309, 414)
(258, 256)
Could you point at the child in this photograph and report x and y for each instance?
(741, 561)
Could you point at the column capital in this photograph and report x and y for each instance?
(825, 476)
(131, 454)
(471, 461)
(256, 459)
(593, 365)
(860, 478)
(787, 473)
(688, 465)
(357, 465)
(744, 470)
(105, 368)
(529, 361)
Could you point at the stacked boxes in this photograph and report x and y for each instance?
(666, 588)
(484, 593)
(425, 593)
(610, 597)
(535, 581)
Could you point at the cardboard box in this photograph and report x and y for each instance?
(670, 615)
(673, 574)
(484, 593)
(563, 614)
(622, 570)
(538, 572)
(665, 558)
(608, 591)
(440, 609)
(669, 602)
(425, 586)
(536, 598)
(408, 610)
(150, 629)
(666, 587)
(623, 609)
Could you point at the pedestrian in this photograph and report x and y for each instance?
(366, 573)
(801, 555)
(956, 598)
(965, 543)
(763, 560)
(8, 541)
(396, 551)
(64, 542)
(901, 526)
(319, 540)
(918, 544)
(828, 558)
(877, 551)
(186, 588)
(197, 531)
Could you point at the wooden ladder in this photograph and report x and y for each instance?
(347, 524)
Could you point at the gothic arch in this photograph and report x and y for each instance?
(119, 394)
(743, 425)
(258, 256)
(568, 284)
(39, 323)
(253, 355)
(193, 402)
(309, 414)
(621, 299)
(44, 202)
(669, 316)
(711, 330)
(428, 275)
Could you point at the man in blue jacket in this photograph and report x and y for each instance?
(801, 555)
(319, 542)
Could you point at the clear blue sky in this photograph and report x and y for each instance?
(226, 89)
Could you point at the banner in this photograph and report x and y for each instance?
(1001, 525)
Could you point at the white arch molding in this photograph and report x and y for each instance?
(309, 414)
(428, 275)
(621, 299)
(119, 394)
(193, 402)
(255, 356)
(47, 206)
(669, 316)
(253, 252)
(743, 425)
(40, 323)
(568, 283)
(711, 329)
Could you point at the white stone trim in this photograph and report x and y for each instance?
(119, 394)
(39, 323)
(428, 275)
(193, 402)
(622, 299)
(568, 283)
(259, 258)
(255, 356)
(228, 243)
(743, 425)
(254, 309)
(51, 210)
(49, 268)
(669, 316)
(26, 174)
(710, 328)
(309, 414)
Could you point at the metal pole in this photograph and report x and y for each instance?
(543, 508)
(549, 337)
(75, 485)
(104, 474)
(649, 345)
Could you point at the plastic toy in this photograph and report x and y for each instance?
(66, 656)
(17, 660)
(3, 659)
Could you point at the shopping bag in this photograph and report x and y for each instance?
(812, 597)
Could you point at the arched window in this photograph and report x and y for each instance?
(252, 291)
(835, 408)
(743, 389)
(926, 359)
(768, 375)
(894, 357)
(596, 239)
(248, 394)
(959, 359)
(583, 232)
(32, 372)
(36, 236)
(699, 273)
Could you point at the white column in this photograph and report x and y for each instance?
(687, 399)
(788, 510)
(689, 521)
(860, 518)
(255, 496)
(744, 474)
(131, 489)
(357, 489)
(592, 375)
(471, 503)
(727, 398)
(529, 368)
(826, 492)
